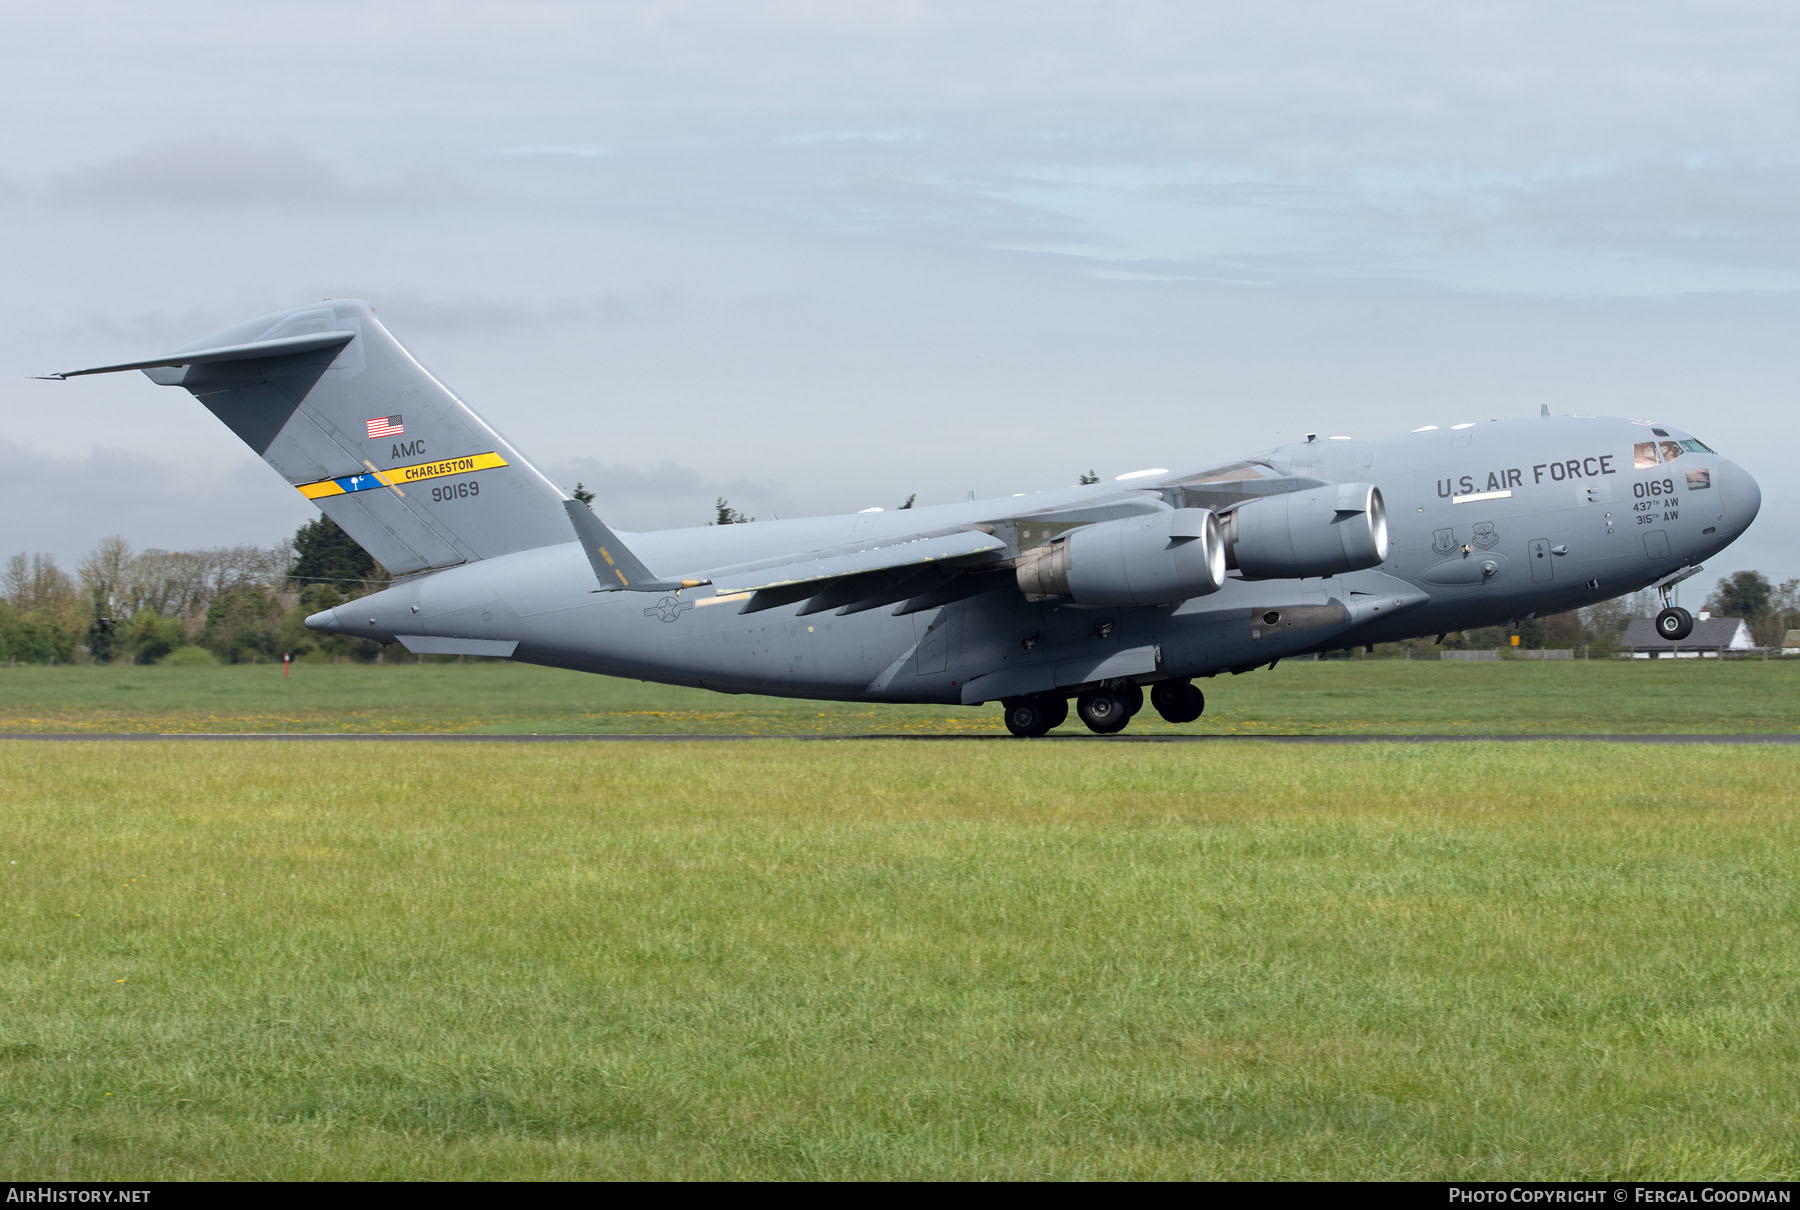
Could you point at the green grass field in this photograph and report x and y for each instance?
(1396, 696)
(876, 960)
(868, 960)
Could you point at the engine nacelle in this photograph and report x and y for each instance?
(1320, 532)
(1153, 559)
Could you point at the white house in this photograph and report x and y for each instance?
(1712, 637)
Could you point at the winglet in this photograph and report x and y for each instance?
(614, 565)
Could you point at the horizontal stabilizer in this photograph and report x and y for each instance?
(284, 346)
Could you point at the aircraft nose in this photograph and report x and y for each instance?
(1743, 498)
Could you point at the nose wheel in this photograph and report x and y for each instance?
(1674, 623)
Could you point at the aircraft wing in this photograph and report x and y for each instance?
(1223, 487)
(920, 570)
(928, 568)
(1219, 488)
(848, 560)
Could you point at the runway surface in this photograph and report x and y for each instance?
(1075, 737)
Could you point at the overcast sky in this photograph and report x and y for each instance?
(817, 256)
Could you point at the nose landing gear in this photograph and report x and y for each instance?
(1674, 623)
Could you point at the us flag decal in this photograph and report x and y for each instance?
(385, 426)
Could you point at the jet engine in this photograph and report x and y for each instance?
(1153, 559)
(1323, 531)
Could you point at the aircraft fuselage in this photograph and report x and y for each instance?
(1487, 524)
(1092, 593)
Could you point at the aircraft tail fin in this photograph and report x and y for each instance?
(334, 403)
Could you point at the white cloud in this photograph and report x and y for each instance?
(229, 171)
(154, 502)
(208, 171)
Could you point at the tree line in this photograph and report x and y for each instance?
(227, 603)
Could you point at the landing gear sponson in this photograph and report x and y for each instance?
(1106, 709)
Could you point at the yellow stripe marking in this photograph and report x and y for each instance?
(465, 465)
(437, 470)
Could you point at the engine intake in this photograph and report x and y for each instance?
(1153, 559)
(1320, 532)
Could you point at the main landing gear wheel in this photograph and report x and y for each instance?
(1177, 701)
(1103, 710)
(1133, 693)
(1674, 623)
(1030, 717)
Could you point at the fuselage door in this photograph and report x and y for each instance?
(932, 631)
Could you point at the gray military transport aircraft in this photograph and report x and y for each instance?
(1090, 593)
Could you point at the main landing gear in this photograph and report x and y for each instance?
(1177, 701)
(1030, 717)
(1105, 709)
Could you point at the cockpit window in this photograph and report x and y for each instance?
(1650, 453)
